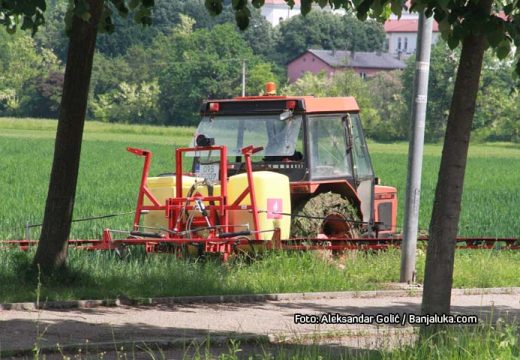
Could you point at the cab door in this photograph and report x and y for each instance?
(361, 166)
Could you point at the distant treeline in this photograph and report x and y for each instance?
(160, 74)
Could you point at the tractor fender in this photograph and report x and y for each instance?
(301, 191)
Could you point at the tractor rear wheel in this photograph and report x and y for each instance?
(325, 213)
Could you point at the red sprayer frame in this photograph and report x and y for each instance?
(174, 208)
(143, 188)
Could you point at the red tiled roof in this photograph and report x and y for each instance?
(406, 26)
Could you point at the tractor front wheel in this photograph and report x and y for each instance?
(327, 213)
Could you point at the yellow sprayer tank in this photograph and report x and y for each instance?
(272, 194)
(162, 188)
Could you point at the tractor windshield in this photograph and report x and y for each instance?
(278, 137)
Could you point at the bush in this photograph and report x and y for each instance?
(129, 104)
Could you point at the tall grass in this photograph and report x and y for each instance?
(491, 197)
(109, 176)
(484, 342)
(100, 275)
(108, 181)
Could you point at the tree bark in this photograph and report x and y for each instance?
(52, 248)
(438, 278)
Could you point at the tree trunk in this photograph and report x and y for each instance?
(438, 276)
(52, 248)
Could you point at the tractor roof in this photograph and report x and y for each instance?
(308, 104)
(330, 104)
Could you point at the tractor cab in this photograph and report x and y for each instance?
(317, 142)
(305, 146)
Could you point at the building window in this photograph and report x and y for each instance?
(405, 44)
(363, 75)
(399, 43)
(313, 59)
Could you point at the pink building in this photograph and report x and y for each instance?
(331, 61)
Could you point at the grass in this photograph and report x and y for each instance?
(490, 200)
(483, 342)
(109, 178)
(109, 175)
(102, 275)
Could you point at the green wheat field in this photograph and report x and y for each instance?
(108, 182)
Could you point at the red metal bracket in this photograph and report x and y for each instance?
(143, 188)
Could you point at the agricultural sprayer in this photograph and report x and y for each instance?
(267, 172)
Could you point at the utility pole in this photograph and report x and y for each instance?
(415, 149)
(243, 78)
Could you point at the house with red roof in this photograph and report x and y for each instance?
(401, 34)
(365, 64)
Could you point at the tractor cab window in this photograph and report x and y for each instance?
(277, 137)
(362, 164)
(327, 147)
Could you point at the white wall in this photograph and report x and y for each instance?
(276, 12)
(408, 41)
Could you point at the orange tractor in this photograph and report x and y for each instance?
(318, 143)
(295, 169)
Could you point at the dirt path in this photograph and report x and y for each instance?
(273, 319)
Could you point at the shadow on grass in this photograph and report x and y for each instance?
(105, 276)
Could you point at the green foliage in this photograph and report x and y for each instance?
(43, 96)
(135, 55)
(497, 113)
(457, 19)
(498, 107)
(108, 73)
(325, 30)
(53, 35)
(131, 103)
(489, 341)
(201, 64)
(30, 79)
(257, 76)
(443, 67)
(102, 275)
(25, 14)
(386, 92)
(262, 37)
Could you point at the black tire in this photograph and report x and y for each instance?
(326, 213)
